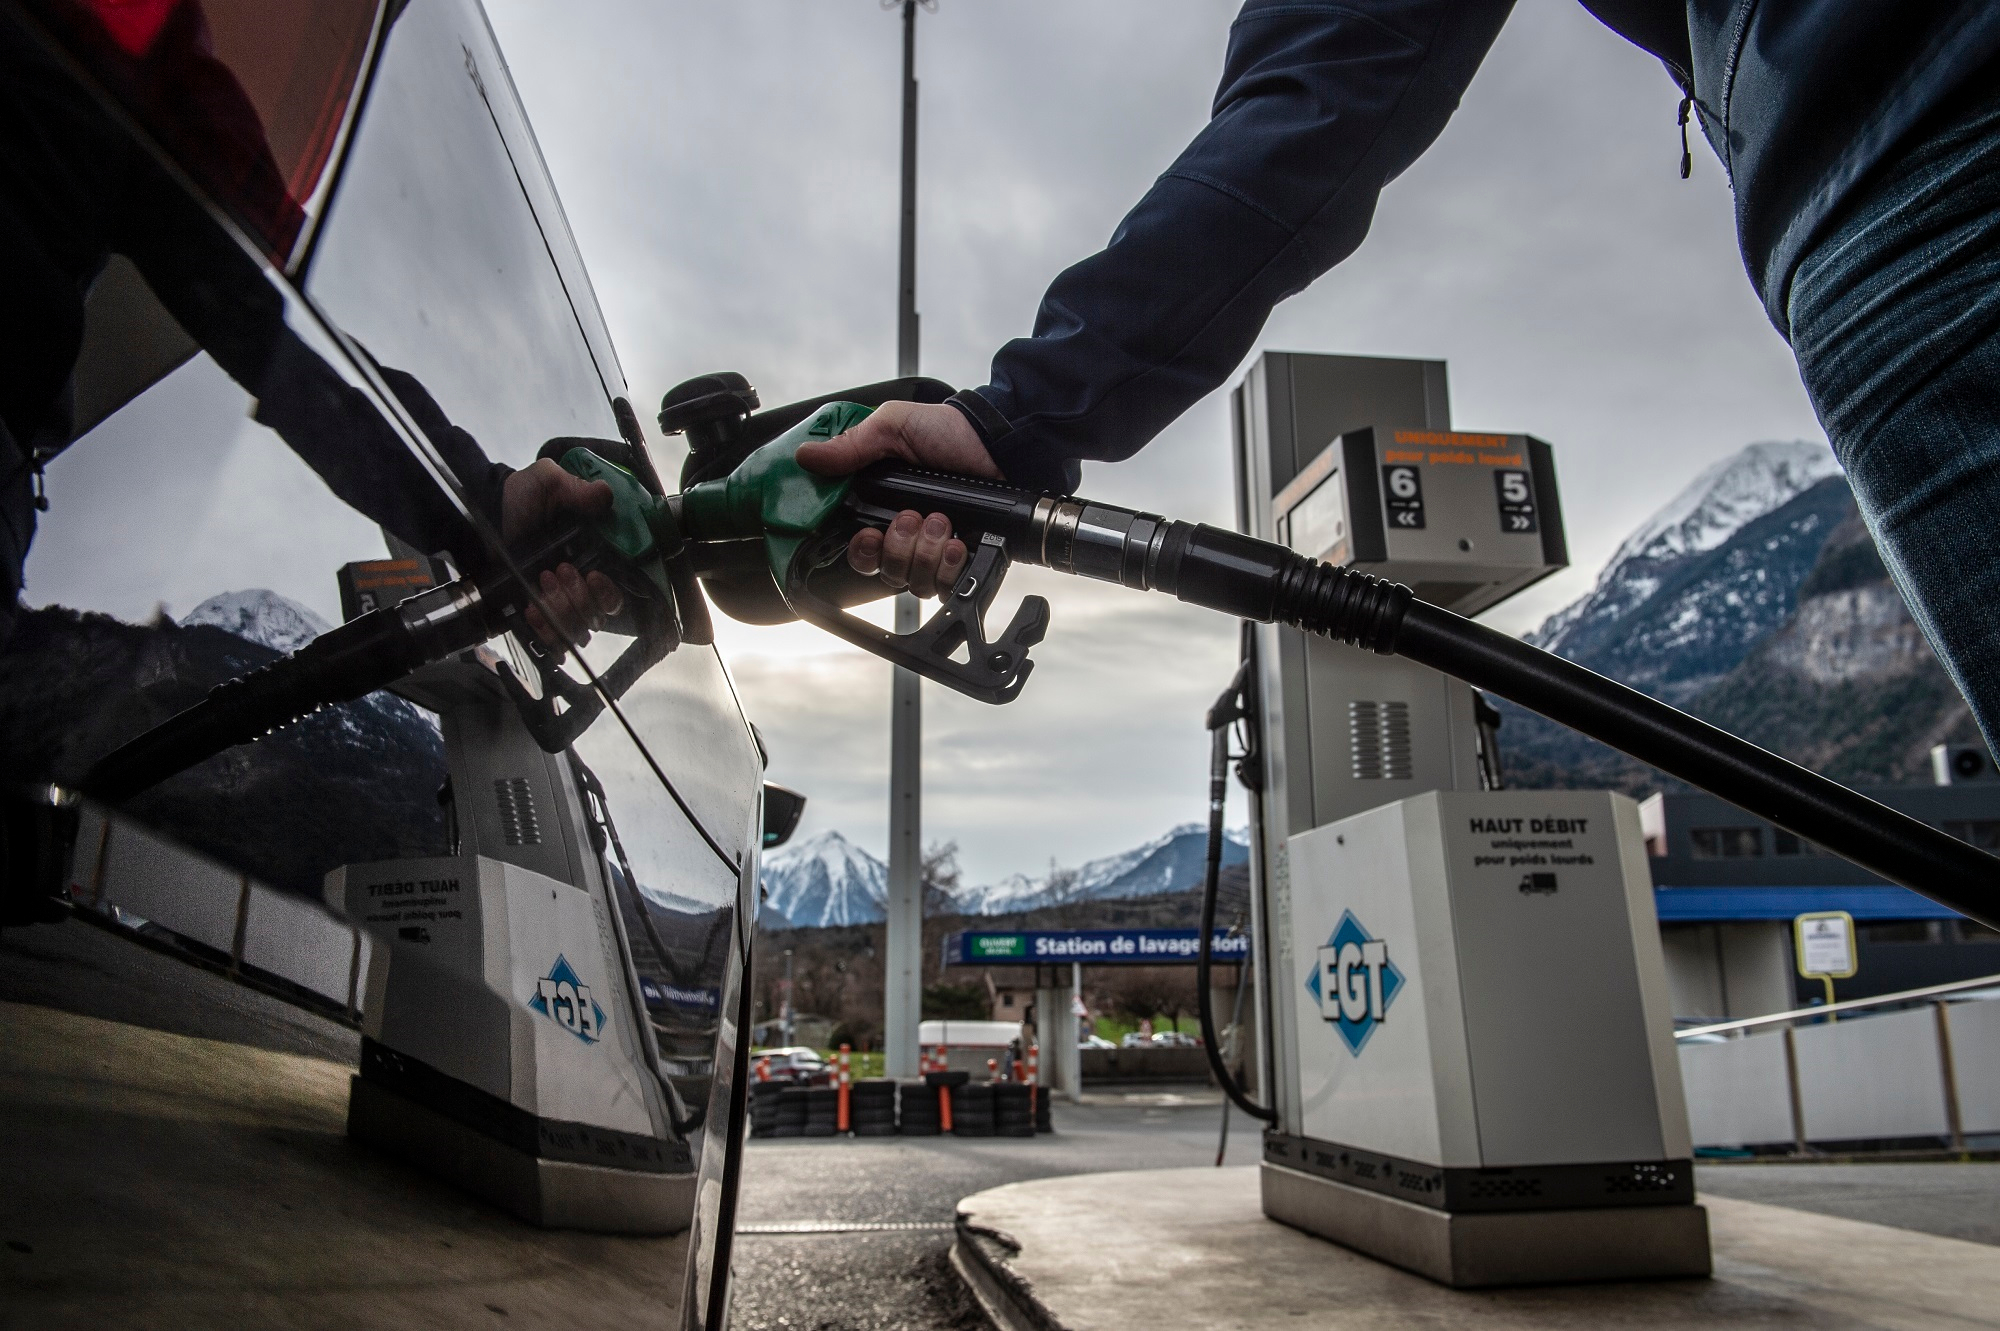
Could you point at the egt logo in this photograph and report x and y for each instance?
(1354, 982)
(564, 999)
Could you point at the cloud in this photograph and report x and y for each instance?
(730, 173)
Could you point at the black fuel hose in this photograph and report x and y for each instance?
(343, 664)
(1226, 710)
(1252, 579)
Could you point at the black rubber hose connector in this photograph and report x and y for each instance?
(1339, 603)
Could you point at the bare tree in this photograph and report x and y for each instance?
(1144, 992)
(941, 877)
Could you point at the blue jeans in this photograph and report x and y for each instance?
(1895, 318)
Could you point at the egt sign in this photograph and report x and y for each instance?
(1354, 982)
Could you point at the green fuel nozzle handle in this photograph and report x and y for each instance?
(769, 496)
(804, 521)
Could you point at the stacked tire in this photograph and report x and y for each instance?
(1044, 1095)
(1013, 1109)
(972, 1110)
(764, 1108)
(919, 1109)
(822, 1111)
(790, 1120)
(871, 1107)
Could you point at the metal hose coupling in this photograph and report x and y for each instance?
(1223, 570)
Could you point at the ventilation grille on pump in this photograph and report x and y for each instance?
(518, 825)
(1379, 738)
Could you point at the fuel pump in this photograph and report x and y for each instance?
(506, 1043)
(1471, 1070)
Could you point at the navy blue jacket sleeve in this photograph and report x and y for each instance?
(1320, 106)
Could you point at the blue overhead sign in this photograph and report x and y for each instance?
(1096, 947)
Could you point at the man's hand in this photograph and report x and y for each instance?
(916, 552)
(545, 496)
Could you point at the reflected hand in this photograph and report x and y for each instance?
(544, 496)
(916, 552)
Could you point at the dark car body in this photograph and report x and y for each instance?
(321, 233)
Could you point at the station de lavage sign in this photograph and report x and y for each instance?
(1095, 947)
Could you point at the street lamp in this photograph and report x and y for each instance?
(902, 976)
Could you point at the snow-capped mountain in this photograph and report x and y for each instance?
(1169, 863)
(352, 783)
(1705, 610)
(1786, 631)
(261, 616)
(1715, 506)
(826, 879)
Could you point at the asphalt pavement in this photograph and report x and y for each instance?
(1953, 1201)
(817, 1251)
(792, 1274)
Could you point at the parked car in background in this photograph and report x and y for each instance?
(1175, 1040)
(1095, 1041)
(794, 1065)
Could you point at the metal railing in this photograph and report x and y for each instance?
(128, 877)
(1849, 1005)
(1929, 1069)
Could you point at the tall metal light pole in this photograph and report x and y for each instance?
(903, 978)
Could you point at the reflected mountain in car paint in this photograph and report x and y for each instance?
(261, 616)
(352, 783)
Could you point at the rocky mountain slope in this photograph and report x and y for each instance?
(1755, 600)
(824, 880)
(1848, 686)
(1713, 507)
(352, 783)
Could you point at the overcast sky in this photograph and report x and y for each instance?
(729, 169)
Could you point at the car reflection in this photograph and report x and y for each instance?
(337, 204)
